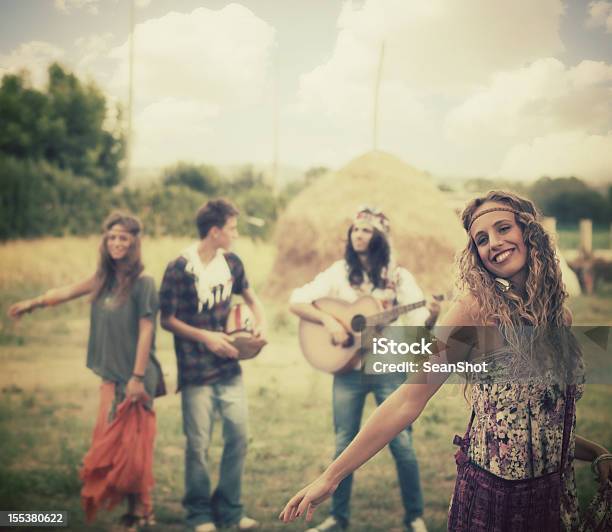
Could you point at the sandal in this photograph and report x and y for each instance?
(147, 520)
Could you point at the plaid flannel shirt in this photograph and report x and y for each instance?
(202, 299)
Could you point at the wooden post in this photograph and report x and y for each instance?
(550, 224)
(586, 250)
(586, 237)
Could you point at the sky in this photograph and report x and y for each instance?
(477, 88)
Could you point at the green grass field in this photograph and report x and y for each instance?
(48, 403)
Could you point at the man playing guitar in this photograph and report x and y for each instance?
(367, 269)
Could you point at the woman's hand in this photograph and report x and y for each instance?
(20, 308)
(604, 470)
(135, 390)
(307, 499)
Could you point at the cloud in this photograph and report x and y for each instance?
(172, 130)
(572, 153)
(190, 69)
(539, 99)
(436, 54)
(35, 56)
(217, 57)
(600, 15)
(441, 43)
(92, 49)
(93, 6)
(69, 5)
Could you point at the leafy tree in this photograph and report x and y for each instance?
(569, 199)
(39, 199)
(246, 178)
(25, 119)
(203, 178)
(63, 125)
(81, 144)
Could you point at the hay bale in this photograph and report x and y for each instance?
(311, 233)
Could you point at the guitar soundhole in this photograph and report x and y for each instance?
(349, 342)
(358, 323)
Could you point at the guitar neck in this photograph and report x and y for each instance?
(388, 316)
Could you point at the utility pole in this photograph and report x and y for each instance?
(128, 169)
(376, 91)
(275, 187)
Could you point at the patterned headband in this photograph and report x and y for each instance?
(486, 211)
(135, 230)
(374, 217)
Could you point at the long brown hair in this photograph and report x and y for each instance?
(107, 277)
(379, 255)
(525, 322)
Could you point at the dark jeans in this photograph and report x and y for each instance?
(350, 391)
(199, 405)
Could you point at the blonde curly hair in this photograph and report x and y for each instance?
(528, 323)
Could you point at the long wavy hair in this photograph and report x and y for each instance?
(533, 323)
(379, 255)
(113, 276)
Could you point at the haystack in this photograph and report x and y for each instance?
(425, 231)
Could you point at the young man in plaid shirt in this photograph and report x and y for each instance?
(195, 302)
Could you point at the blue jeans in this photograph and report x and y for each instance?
(350, 391)
(199, 404)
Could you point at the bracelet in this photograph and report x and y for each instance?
(600, 458)
(34, 304)
(139, 378)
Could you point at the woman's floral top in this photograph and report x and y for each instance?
(505, 415)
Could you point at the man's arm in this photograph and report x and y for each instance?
(322, 285)
(308, 311)
(254, 303)
(217, 342)
(410, 292)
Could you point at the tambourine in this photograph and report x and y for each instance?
(239, 326)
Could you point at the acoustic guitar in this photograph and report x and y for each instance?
(315, 340)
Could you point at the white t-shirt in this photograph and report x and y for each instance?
(401, 289)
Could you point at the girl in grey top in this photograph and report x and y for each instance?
(121, 348)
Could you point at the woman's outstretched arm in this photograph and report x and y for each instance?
(55, 296)
(398, 411)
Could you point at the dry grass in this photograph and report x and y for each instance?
(48, 262)
(48, 402)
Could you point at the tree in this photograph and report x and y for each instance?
(25, 119)
(569, 199)
(63, 125)
(203, 178)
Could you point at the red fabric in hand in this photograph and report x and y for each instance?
(120, 461)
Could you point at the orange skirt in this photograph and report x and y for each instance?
(120, 460)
